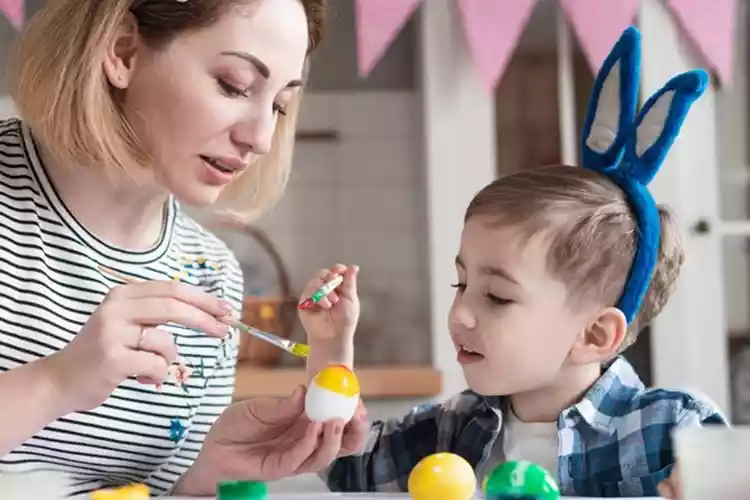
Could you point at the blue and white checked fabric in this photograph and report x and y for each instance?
(616, 442)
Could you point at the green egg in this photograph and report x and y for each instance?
(521, 478)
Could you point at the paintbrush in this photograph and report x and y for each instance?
(296, 348)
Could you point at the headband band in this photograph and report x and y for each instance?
(629, 149)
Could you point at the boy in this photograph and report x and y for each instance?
(558, 270)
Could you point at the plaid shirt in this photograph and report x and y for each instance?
(616, 442)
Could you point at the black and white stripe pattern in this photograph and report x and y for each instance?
(49, 285)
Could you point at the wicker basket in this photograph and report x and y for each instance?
(274, 314)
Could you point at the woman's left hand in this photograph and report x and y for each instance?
(267, 439)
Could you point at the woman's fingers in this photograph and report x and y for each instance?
(160, 310)
(148, 367)
(355, 432)
(329, 446)
(158, 341)
(299, 444)
(172, 289)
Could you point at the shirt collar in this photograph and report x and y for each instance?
(610, 397)
(607, 399)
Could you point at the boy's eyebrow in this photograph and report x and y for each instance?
(491, 271)
(500, 272)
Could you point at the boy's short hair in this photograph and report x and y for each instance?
(59, 87)
(592, 233)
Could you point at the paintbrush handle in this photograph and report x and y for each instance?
(297, 349)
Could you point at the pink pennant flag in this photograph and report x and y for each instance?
(598, 24)
(493, 28)
(711, 25)
(378, 22)
(14, 11)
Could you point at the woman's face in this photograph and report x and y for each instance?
(208, 103)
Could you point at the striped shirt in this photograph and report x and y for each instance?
(50, 285)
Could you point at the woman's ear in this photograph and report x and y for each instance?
(602, 337)
(121, 53)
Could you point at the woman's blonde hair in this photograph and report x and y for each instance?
(60, 89)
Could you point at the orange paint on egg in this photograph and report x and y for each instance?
(339, 379)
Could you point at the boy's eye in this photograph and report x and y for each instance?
(460, 287)
(498, 301)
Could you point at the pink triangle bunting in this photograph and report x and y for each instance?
(711, 25)
(492, 29)
(378, 23)
(598, 24)
(14, 11)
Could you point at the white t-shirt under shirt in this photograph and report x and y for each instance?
(49, 286)
(536, 442)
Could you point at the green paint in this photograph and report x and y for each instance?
(241, 490)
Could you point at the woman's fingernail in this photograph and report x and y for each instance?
(222, 328)
(225, 306)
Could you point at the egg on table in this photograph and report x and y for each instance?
(444, 476)
(333, 394)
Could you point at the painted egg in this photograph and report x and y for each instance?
(333, 394)
(129, 492)
(446, 476)
(520, 478)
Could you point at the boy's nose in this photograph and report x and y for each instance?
(462, 317)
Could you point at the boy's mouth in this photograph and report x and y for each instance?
(467, 356)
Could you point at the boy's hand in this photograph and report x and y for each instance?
(335, 316)
(670, 487)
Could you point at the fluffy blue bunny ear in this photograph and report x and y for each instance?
(659, 122)
(630, 150)
(612, 105)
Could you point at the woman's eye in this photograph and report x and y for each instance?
(231, 90)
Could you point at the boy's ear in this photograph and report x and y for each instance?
(602, 337)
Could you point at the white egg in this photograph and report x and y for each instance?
(322, 404)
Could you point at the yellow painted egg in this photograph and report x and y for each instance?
(446, 476)
(130, 492)
(333, 394)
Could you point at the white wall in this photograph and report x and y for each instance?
(7, 109)
(360, 199)
(732, 137)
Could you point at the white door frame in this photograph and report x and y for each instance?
(459, 147)
(689, 338)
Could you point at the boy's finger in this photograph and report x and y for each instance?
(349, 287)
(338, 269)
(312, 286)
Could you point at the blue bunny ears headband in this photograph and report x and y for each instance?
(629, 149)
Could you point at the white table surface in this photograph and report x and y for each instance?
(365, 496)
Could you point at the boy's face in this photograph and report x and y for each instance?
(510, 321)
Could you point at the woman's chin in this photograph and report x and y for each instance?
(197, 195)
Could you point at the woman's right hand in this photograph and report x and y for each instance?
(121, 340)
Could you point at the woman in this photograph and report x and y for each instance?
(129, 108)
